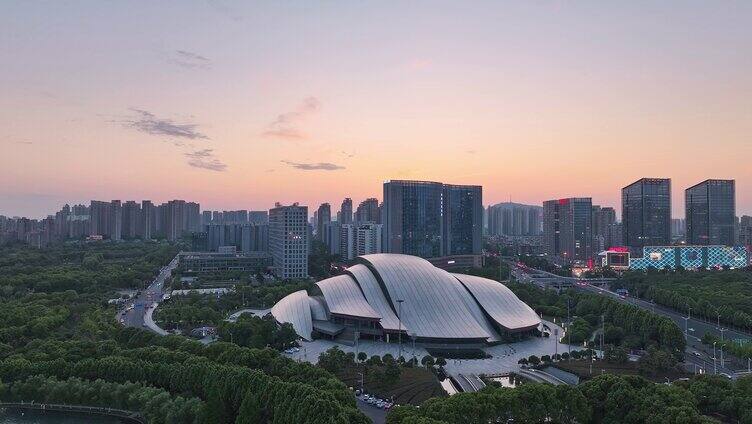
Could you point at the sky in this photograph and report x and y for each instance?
(238, 105)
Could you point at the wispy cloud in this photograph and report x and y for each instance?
(205, 159)
(320, 166)
(224, 9)
(148, 123)
(189, 60)
(24, 142)
(286, 125)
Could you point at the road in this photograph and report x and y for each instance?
(137, 311)
(698, 354)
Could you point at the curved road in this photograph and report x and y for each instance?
(138, 311)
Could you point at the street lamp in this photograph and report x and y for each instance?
(399, 319)
(715, 368)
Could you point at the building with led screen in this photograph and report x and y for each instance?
(691, 257)
(384, 295)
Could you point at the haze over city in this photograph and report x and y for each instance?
(240, 105)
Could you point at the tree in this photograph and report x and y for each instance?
(533, 360)
(440, 361)
(427, 361)
(362, 356)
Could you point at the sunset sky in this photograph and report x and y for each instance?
(239, 105)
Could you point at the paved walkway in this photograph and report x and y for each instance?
(504, 357)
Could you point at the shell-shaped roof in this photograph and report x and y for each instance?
(295, 309)
(318, 309)
(343, 297)
(500, 303)
(432, 300)
(375, 296)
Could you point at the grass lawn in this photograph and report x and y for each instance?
(414, 386)
(582, 370)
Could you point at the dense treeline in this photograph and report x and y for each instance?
(80, 266)
(625, 325)
(727, 293)
(156, 405)
(194, 309)
(605, 399)
(63, 340)
(232, 393)
(493, 268)
(739, 348)
(538, 262)
(257, 332)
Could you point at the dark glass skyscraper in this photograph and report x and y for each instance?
(711, 212)
(646, 213)
(430, 219)
(463, 220)
(568, 228)
(412, 215)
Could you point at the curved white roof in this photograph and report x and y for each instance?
(295, 309)
(433, 304)
(500, 303)
(375, 296)
(343, 297)
(318, 310)
(436, 304)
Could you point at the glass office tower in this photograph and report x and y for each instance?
(413, 221)
(646, 214)
(431, 219)
(463, 220)
(711, 212)
(567, 228)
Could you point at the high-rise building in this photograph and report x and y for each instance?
(711, 213)
(100, 213)
(345, 215)
(258, 217)
(147, 224)
(130, 220)
(193, 217)
(678, 229)
(514, 219)
(368, 239)
(348, 238)
(412, 218)
(462, 210)
(431, 219)
(206, 218)
(646, 213)
(288, 240)
(331, 234)
(567, 228)
(603, 218)
(614, 234)
(255, 238)
(745, 230)
(368, 211)
(323, 217)
(116, 220)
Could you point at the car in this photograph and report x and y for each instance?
(697, 354)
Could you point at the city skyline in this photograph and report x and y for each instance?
(532, 101)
